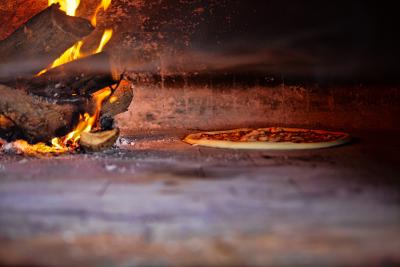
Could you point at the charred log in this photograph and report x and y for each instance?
(8, 130)
(37, 108)
(38, 42)
(119, 101)
(80, 77)
(33, 118)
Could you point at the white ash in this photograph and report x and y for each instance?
(22, 161)
(8, 147)
(115, 168)
(123, 141)
(111, 167)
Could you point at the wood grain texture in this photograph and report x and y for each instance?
(156, 201)
(120, 100)
(36, 118)
(80, 77)
(39, 41)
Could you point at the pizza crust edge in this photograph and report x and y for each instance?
(191, 139)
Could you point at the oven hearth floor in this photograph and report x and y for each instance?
(155, 201)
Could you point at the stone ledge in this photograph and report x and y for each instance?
(206, 107)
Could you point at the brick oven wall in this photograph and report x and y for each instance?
(203, 107)
(155, 37)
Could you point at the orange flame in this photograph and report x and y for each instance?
(103, 5)
(86, 122)
(69, 142)
(74, 52)
(68, 6)
(104, 40)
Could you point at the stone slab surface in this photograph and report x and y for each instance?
(156, 201)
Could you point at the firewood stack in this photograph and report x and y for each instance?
(37, 108)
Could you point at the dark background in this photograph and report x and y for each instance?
(313, 40)
(349, 41)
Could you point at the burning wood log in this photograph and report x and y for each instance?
(80, 77)
(35, 118)
(64, 101)
(35, 44)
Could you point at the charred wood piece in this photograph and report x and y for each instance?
(38, 42)
(35, 119)
(119, 101)
(80, 77)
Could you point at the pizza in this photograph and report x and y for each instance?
(276, 138)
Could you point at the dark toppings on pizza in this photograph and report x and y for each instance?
(273, 135)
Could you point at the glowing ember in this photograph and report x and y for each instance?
(113, 99)
(4, 122)
(40, 148)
